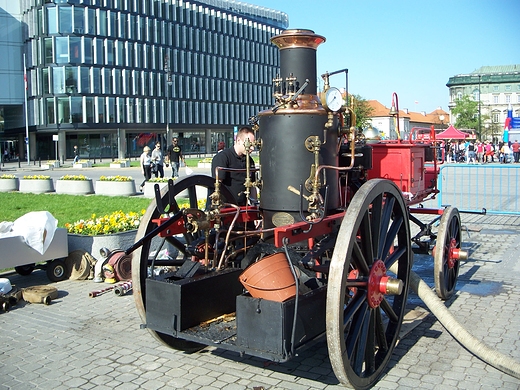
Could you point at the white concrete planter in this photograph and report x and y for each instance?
(36, 186)
(115, 188)
(85, 164)
(125, 164)
(149, 189)
(51, 165)
(92, 244)
(74, 187)
(204, 165)
(7, 185)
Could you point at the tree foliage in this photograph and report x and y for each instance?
(362, 109)
(466, 114)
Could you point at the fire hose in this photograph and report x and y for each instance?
(120, 290)
(477, 347)
(123, 288)
(97, 293)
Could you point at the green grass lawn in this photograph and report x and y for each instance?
(66, 208)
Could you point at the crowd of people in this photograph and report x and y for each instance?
(477, 152)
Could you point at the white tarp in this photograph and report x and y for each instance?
(37, 229)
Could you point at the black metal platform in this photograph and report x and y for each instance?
(213, 309)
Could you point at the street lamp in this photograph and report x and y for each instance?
(479, 120)
(441, 118)
(168, 85)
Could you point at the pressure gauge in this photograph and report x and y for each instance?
(333, 100)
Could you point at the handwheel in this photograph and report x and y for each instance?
(366, 300)
(447, 253)
(196, 189)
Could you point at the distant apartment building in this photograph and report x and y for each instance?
(409, 121)
(112, 76)
(496, 88)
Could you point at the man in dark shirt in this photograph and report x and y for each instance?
(174, 154)
(235, 158)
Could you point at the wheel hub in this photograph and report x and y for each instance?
(455, 254)
(379, 284)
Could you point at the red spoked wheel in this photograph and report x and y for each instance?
(368, 284)
(448, 253)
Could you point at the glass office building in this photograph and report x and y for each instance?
(112, 76)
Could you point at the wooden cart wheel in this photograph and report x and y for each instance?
(365, 300)
(445, 260)
(195, 189)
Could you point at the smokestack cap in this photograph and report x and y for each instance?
(295, 38)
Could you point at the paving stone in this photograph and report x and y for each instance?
(97, 344)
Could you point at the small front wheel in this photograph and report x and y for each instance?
(24, 270)
(447, 253)
(56, 271)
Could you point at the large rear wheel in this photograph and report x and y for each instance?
(365, 299)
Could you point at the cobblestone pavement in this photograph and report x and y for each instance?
(96, 343)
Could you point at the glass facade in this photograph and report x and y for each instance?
(97, 67)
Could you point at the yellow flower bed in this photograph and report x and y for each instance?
(75, 177)
(6, 176)
(201, 204)
(115, 178)
(158, 180)
(116, 222)
(36, 177)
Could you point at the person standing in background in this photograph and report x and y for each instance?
(515, 147)
(76, 154)
(146, 159)
(174, 156)
(158, 160)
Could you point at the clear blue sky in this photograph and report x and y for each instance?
(408, 47)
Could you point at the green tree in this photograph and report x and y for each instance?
(466, 114)
(362, 109)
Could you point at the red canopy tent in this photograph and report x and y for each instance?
(451, 133)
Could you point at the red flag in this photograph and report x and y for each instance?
(25, 77)
(507, 125)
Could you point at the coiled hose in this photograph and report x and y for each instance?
(477, 347)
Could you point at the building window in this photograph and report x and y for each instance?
(85, 80)
(508, 88)
(495, 88)
(495, 99)
(508, 99)
(62, 50)
(459, 95)
(52, 20)
(76, 105)
(49, 52)
(49, 109)
(496, 117)
(58, 80)
(65, 20)
(87, 50)
(64, 110)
